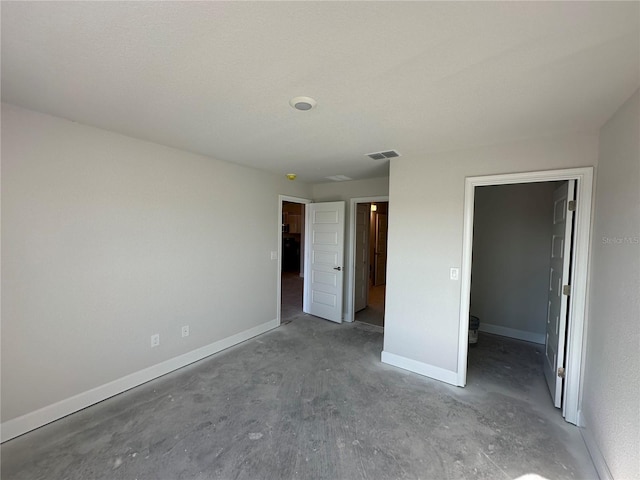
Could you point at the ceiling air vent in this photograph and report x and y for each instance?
(338, 178)
(383, 155)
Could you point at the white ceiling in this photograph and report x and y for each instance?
(216, 77)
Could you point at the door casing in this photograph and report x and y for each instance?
(576, 331)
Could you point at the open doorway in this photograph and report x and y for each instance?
(369, 254)
(567, 379)
(291, 271)
(522, 244)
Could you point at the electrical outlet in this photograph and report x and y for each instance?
(155, 340)
(454, 273)
(185, 331)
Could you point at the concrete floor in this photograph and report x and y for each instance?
(311, 400)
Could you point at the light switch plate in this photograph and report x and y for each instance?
(454, 273)
(274, 255)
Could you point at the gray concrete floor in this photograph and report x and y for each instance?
(311, 400)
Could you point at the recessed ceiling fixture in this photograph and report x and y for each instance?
(302, 103)
(291, 176)
(383, 155)
(338, 178)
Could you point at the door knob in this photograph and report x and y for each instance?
(337, 268)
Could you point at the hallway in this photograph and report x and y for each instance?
(373, 313)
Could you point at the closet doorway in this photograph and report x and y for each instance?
(569, 376)
(522, 246)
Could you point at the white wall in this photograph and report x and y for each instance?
(611, 386)
(107, 240)
(512, 228)
(336, 191)
(425, 240)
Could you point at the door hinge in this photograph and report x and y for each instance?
(572, 205)
(561, 372)
(566, 290)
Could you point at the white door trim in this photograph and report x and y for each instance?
(283, 198)
(350, 258)
(580, 263)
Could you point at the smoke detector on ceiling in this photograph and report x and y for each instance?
(383, 155)
(302, 103)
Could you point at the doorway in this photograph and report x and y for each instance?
(578, 262)
(522, 242)
(291, 257)
(368, 252)
(371, 262)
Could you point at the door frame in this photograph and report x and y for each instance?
(350, 257)
(281, 199)
(576, 322)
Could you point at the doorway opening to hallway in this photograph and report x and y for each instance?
(369, 255)
(292, 259)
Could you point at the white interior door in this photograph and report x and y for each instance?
(325, 256)
(559, 274)
(381, 250)
(361, 264)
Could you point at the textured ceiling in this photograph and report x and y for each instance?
(216, 77)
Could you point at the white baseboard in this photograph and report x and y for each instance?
(30, 421)
(596, 455)
(425, 369)
(512, 333)
(580, 419)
